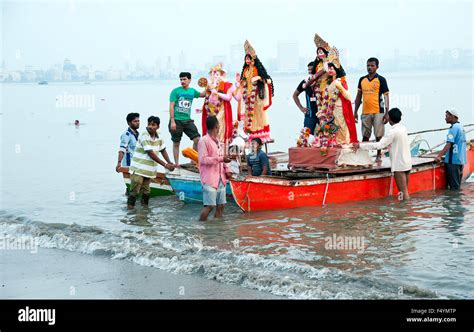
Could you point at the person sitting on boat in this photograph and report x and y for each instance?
(454, 151)
(145, 162)
(400, 157)
(257, 160)
(213, 170)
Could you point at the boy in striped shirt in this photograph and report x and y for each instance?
(145, 162)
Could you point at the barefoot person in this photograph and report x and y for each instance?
(213, 169)
(373, 93)
(145, 162)
(454, 151)
(128, 141)
(181, 100)
(400, 157)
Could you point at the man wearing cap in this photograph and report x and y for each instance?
(454, 151)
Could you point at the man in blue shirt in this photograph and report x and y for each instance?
(454, 151)
(128, 141)
(257, 160)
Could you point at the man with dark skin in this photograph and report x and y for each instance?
(180, 114)
(145, 161)
(310, 118)
(454, 151)
(133, 121)
(213, 170)
(375, 109)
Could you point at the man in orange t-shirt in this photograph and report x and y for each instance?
(373, 93)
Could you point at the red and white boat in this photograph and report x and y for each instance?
(339, 186)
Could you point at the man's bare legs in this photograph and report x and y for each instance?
(219, 211)
(176, 153)
(195, 143)
(401, 179)
(206, 210)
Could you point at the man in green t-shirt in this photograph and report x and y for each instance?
(181, 100)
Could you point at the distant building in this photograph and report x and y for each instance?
(69, 71)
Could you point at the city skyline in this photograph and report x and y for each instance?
(288, 61)
(108, 33)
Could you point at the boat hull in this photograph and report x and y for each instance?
(187, 187)
(159, 186)
(267, 193)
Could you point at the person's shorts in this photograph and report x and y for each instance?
(186, 126)
(375, 121)
(212, 196)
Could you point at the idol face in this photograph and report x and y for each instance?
(320, 53)
(248, 60)
(332, 71)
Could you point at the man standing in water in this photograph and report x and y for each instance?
(128, 141)
(145, 162)
(181, 100)
(454, 151)
(400, 157)
(310, 118)
(373, 91)
(213, 170)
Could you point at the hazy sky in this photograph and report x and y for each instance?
(106, 33)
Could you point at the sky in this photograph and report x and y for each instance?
(107, 33)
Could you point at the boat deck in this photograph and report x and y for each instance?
(382, 166)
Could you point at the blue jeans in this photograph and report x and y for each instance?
(310, 123)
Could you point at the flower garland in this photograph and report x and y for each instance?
(303, 140)
(249, 104)
(327, 130)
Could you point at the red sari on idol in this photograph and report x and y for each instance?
(348, 114)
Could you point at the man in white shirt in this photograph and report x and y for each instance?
(400, 157)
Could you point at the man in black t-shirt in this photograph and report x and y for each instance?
(310, 118)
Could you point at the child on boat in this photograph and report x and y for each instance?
(257, 160)
(145, 162)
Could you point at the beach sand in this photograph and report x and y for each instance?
(60, 274)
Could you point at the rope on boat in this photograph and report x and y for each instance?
(434, 176)
(439, 129)
(248, 198)
(390, 191)
(326, 190)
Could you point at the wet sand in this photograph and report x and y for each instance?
(59, 274)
